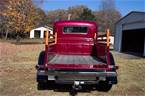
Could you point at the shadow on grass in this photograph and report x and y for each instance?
(133, 55)
(68, 88)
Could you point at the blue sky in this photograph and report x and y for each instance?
(124, 6)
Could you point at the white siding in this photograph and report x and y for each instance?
(137, 25)
(42, 33)
(134, 20)
(118, 38)
(41, 29)
(32, 34)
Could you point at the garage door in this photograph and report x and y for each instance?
(133, 41)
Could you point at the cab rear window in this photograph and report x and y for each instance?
(75, 29)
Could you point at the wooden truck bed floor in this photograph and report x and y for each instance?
(74, 59)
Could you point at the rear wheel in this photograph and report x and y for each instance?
(41, 58)
(112, 61)
(42, 80)
(45, 85)
(104, 86)
(41, 86)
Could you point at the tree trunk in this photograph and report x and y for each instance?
(18, 38)
(6, 35)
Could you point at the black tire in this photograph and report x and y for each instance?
(46, 85)
(103, 86)
(41, 58)
(112, 61)
(41, 86)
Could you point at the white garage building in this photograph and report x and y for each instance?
(39, 32)
(130, 34)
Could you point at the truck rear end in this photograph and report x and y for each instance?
(78, 56)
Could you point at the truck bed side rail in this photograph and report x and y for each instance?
(47, 44)
(103, 46)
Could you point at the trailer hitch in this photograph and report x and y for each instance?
(75, 87)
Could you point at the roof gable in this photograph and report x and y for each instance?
(132, 17)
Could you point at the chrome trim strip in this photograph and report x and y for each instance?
(106, 74)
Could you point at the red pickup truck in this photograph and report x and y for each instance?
(78, 56)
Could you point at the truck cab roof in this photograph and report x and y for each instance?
(74, 28)
(79, 22)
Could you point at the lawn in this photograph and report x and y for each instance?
(17, 74)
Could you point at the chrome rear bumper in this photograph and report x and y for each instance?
(70, 77)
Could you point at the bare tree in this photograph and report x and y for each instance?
(61, 14)
(107, 15)
(76, 11)
(107, 5)
(55, 15)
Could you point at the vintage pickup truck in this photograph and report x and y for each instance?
(78, 56)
